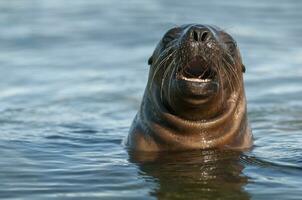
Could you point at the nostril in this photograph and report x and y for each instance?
(200, 35)
(204, 36)
(195, 36)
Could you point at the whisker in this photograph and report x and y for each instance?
(165, 75)
(157, 66)
(231, 72)
(169, 83)
(234, 72)
(163, 79)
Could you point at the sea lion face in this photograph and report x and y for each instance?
(195, 68)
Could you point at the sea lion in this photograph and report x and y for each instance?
(195, 96)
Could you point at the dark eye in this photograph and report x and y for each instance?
(168, 38)
(171, 35)
(231, 47)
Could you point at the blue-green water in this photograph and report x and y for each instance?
(72, 77)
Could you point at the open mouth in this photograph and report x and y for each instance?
(197, 80)
(197, 70)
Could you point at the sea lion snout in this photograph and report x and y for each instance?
(197, 73)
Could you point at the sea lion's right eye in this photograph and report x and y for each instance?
(168, 38)
(231, 46)
(171, 35)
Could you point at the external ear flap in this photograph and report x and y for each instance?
(150, 60)
(243, 68)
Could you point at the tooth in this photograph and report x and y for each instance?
(197, 80)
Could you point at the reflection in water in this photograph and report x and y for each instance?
(211, 174)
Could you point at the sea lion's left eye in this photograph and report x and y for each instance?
(231, 46)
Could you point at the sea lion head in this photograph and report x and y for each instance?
(195, 70)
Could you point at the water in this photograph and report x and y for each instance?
(72, 77)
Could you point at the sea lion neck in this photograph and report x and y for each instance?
(165, 114)
(168, 129)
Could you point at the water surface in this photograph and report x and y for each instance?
(72, 77)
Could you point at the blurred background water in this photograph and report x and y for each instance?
(72, 77)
